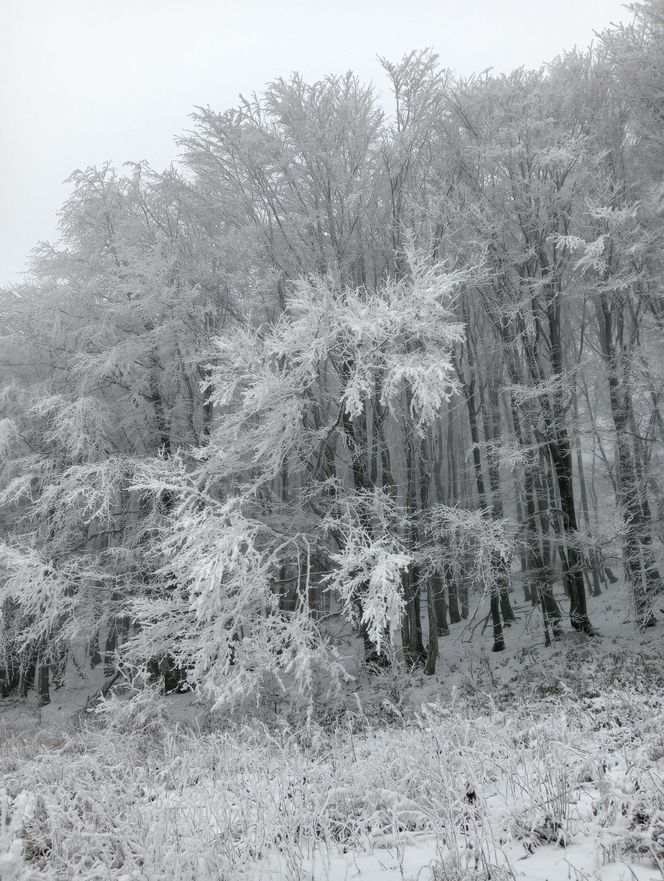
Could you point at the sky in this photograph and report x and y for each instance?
(85, 81)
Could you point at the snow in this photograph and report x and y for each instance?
(566, 764)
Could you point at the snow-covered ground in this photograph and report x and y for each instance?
(538, 764)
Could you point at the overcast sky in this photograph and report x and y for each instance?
(83, 81)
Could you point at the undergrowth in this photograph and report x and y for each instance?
(126, 794)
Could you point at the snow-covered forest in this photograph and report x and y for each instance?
(331, 505)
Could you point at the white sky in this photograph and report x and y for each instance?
(83, 81)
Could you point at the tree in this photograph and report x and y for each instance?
(103, 367)
(301, 391)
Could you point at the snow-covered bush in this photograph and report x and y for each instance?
(483, 790)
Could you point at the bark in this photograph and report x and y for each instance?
(561, 456)
(438, 588)
(640, 567)
(43, 692)
(27, 675)
(424, 475)
(412, 643)
(469, 385)
(491, 420)
(590, 558)
(452, 470)
(109, 649)
(289, 585)
(93, 649)
(452, 595)
(537, 545)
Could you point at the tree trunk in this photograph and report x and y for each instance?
(561, 457)
(640, 568)
(413, 645)
(469, 388)
(43, 692)
(438, 587)
(93, 649)
(109, 649)
(452, 595)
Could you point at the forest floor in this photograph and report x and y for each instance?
(536, 763)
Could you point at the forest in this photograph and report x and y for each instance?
(296, 433)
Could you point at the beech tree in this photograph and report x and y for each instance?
(299, 395)
(103, 358)
(346, 363)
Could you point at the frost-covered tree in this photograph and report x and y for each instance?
(228, 409)
(309, 395)
(103, 369)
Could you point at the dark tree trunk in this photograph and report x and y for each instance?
(27, 676)
(472, 404)
(589, 557)
(438, 587)
(413, 644)
(43, 692)
(109, 649)
(640, 567)
(453, 595)
(561, 457)
(423, 476)
(93, 649)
